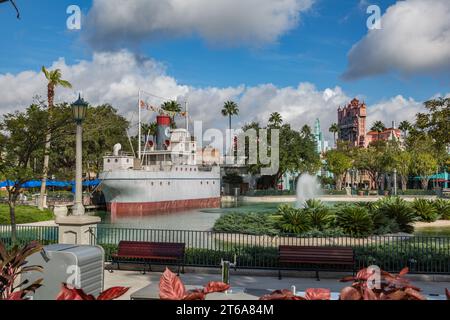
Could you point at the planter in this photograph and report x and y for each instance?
(360, 193)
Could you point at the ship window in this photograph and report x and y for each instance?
(152, 184)
(168, 183)
(117, 160)
(214, 182)
(160, 183)
(185, 169)
(128, 160)
(190, 169)
(201, 182)
(109, 160)
(207, 182)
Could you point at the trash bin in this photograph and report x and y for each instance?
(79, 266)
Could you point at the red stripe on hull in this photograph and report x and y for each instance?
(139, 209)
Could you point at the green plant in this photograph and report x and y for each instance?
(320, 216)
(400, 214)
(293, 220)
(443, 208)
(250, 223)
(425, 210)
(355, 221)
(12, 265)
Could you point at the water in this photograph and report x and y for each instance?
(193, 219)
(308, 187)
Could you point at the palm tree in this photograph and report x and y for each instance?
(173, 107)
(14, 5)
(230, 108)
(54, 80)
(334, 129)
(379, 127)
(275, 120)
(405, 126)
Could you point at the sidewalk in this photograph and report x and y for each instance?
(136, 281)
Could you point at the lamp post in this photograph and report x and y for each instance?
(79, 108)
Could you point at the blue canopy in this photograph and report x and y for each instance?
(50, 183)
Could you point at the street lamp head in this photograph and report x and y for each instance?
(79, 108)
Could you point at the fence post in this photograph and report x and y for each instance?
(76, 229)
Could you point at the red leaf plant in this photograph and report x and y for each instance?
(447, 293)
(70, 293)
(172, 288)
(391, 287)
(13, 263)
(310, 294)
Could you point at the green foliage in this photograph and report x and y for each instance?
(443, 208)
(355, 221)
(292, 220)
(25, 214)
(250, 223)
(425, 210)
(337, 162)
(398, 211)
(320, 216)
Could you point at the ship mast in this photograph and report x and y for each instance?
(187, 115)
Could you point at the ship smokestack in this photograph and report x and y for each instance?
(162, 136)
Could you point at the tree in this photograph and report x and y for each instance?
(230, 108)
(371, 161)
(436, 122)
(53, 80)
(378, 127)
(403, 161)
(103, 128)
(173, 108)
(405, 126)
(25, 135)
(334, 129)
(275, 120)
(14, 5)
(338, 163)
(297, 153)
(424, 165)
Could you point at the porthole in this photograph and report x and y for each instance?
(168, 183)
(117, 160)
(160, 183)
(152, 184)
(109, 160)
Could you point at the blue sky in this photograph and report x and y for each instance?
(315, 50)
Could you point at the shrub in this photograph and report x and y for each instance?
(250, 223)
(398, 211)
(443, 208)
(292, 220)
(425, 210)
(25, 214)
(320, 216)
(355, 221)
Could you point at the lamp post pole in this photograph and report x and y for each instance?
(79, 111)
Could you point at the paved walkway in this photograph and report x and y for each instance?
(137, 281)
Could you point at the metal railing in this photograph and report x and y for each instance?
(44, 234)
(206, 248)
(422, 254)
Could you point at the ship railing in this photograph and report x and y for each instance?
(121, 154)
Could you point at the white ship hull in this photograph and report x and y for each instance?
(132, 192)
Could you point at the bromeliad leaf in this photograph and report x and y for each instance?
(212, 287)
(112, 293)
(171, 287)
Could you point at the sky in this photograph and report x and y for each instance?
(302, 58)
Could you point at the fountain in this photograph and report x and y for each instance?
(308, 187)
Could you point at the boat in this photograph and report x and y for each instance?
(164, 176)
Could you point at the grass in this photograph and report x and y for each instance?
(25, 214)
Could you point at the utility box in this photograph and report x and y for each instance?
(78, 266)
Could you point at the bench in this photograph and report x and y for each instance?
(148, 253)
(317, 256)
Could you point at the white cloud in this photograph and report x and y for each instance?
(115, 78)
(112, 23)
(395, 109)
(414, 38)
